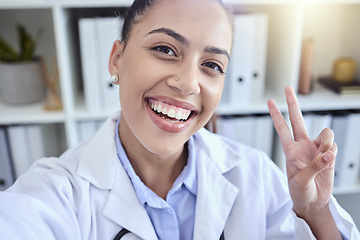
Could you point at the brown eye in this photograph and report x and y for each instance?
(165, 50)
(213, 66)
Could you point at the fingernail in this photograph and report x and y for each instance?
(328, 157)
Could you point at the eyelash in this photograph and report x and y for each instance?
(214, 65)
(165, 50)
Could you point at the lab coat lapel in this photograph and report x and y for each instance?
(100, 166)
(216, 195)
(124, 208)
(215, 198)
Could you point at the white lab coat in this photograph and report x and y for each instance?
(86, 194)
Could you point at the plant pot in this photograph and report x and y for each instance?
(21, 83)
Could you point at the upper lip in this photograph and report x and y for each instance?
(174, 102)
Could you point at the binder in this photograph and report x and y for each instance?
(263, 134)
(242, 60)
(19, 149)
(321, 120)
(309, 120)
(6, 170)
(109, 30)
(260, 54)
(89, 53)
(53, 140)
(350, 161)
(245, 126)
(227, 127)
(34, 136)
(339, 124)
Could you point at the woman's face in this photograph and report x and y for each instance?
(171, 73)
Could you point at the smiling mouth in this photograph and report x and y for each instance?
(170, 112)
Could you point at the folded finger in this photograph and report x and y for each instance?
(321, 162)
(325, 140)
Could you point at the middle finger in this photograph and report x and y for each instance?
(296, 118)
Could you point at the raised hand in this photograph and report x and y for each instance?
(309, 166)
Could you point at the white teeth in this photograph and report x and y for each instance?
(171, 113)
(164, 111)
(179, 115)
(186, 115)
(175, 113)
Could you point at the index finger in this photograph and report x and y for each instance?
(280, 124)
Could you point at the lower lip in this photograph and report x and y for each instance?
(163, 124)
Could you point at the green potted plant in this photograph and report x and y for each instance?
(21, 72)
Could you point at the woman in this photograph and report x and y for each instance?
(153, 172)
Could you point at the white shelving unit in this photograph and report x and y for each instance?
(333, 24)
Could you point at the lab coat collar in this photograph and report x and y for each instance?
(122, 205)
(216, 195)
(219, 150)
(92, 167)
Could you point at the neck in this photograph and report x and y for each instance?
(158, 172)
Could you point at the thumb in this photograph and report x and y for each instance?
(321, 162)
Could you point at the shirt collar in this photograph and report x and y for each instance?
(186, 177)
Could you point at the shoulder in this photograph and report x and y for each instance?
(63, 175)
(54, 176)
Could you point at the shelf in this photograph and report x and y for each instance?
(30, 113)
(322, 98)
(241, 109)
(82, 114)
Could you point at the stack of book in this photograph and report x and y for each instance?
(340, 88)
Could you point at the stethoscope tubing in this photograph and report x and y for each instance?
(125, 231)
(121, 234)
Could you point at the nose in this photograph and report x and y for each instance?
(186, 82)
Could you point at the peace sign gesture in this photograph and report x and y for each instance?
(309, 166)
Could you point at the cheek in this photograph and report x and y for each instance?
(214, 93)
(211, 98)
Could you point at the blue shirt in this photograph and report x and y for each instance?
(175, 217)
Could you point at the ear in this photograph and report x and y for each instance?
(115, 55)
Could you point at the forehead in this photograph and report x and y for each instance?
(201, 21)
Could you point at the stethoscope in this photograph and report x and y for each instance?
(121, 234)
(125, 231)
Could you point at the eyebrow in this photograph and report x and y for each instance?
(172, 34)
(216, 50)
